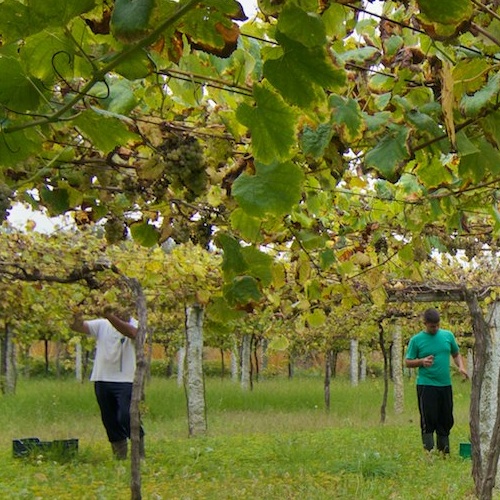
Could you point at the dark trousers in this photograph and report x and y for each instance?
(114, 402)
(436, 409)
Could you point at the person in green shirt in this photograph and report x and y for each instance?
(429, 351)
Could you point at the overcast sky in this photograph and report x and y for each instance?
(249, 6)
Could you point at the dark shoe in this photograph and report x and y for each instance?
(428, 440)
(443, 443)
(120, 449)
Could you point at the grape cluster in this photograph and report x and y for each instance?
(5, 200)
(198, 232)
(184, 164)
(201, 233)
(381, 245)
(115, 230)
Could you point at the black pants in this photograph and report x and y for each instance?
(436, 409)
(114, 401)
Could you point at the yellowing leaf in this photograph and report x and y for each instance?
(316, 318)
(448, 101)
(279, 343)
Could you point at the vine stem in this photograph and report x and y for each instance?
(101, 73)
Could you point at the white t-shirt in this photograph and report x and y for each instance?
(115, 354)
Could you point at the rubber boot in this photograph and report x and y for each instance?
(443, 443)
(120, 449)
(428, 440)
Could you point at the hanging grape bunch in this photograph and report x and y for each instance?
(184, 164)
(201, 233)
(115, 230)
(5, 200)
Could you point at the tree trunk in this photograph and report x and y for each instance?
(354, 356)
(181, 360)
(484, 407)
(8, 372)
(255, 350)
(383, 407)
(235, 363)
(328, 377)
(333, 363)
(265, 357)
(149, 342)
(46, 349)
(195, 384)
(470, 363)
(58, 359)
(222, 364)
(246, 362)
(291, 365)
(485, 400)
(362, 367)
(78, 361)
(137, 389)
(397, 368)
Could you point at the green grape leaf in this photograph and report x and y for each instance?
(390, 153)
(105, 131)
(316, 318)
(304, 27)
(315, 141)
(273, 189)
(242, 290)
(472, 105)
(477, 166)
(233, 262)
(37, 16)
(446, 11)
(18, 91)
(347, 118)
(48, 55)
(302, 73)
(18, 146)
(145, 234)
(259, 264)
(278, 343)
(219, 310)
(118, 96)
(272, 125)
(57, 200)
(130, 19)
(136, 66)
(248, 226)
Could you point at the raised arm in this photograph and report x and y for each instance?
(79, 325)
(124, 327)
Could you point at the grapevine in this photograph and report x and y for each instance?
(184, 164)
(115, 230)
(5, 200)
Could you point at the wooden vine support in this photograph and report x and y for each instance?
(88, 274)
(485, 391)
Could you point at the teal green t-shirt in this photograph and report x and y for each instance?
(441, 346)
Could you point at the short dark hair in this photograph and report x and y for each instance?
(431, 316)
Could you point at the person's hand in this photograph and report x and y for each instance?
(464, 373)
(428, 361)
(107, 310)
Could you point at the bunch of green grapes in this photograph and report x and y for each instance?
(201, 233)
(5, 200)
(115, 230)
(184, 164)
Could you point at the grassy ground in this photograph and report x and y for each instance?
(276, 442)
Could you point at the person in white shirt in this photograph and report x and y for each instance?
(113, 373)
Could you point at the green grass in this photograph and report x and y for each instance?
(275, 442)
